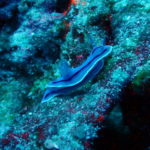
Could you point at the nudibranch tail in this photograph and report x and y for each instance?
(48, 95)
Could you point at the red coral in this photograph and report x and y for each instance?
(25, 135)
(5, 141)
(40, 133)
(100, 118)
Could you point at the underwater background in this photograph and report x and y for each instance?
(109, 112)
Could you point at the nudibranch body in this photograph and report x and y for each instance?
(72, 78)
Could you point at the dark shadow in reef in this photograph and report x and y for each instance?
(9, 14)
(132, 132)
(62, 5)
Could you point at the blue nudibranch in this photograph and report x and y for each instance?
(73, 78)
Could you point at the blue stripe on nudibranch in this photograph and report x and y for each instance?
(78, 76)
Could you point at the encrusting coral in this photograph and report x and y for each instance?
(36, 36)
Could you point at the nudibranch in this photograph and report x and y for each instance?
(72, 78)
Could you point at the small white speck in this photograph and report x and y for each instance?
(30, 113)
(128, 17)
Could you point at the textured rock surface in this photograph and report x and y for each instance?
(35, 35)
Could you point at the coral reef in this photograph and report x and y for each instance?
(35, 35)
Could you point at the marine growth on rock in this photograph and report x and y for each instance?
(90, 105)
